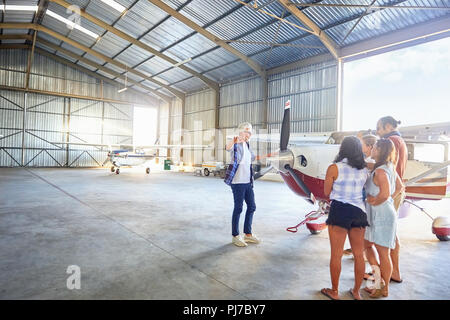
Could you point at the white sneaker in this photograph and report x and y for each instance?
(238, 241)
(251, 239)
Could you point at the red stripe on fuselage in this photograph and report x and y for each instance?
(315, 185)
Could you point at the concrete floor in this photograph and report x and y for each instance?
(167, 236)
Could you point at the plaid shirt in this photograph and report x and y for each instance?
(232, 168)
(348, 187)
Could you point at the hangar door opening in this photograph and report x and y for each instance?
(144, 126)
(411, 84)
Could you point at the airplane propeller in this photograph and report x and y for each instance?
(284, 162)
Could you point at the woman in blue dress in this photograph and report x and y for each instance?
(381, 188)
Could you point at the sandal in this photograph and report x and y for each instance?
(369, 276)
(353, 296)
(379, 292)
(368, 290)
(395, 280)
(326, 292)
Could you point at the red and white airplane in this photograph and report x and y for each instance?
(302, 162)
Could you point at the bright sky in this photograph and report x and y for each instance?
(411, 84)
(144, 126)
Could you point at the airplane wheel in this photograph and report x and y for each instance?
(315, 228)
(117, 171)
(206, 172)
(112, 169)
(441, 228)
(147, 171)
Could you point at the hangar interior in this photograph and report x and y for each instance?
(73, 71)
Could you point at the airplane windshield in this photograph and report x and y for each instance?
(337, 137)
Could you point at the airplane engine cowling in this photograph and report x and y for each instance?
(285, 157)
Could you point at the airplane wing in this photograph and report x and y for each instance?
(175, 146)
(155, 146)
(86, 144)
(435, 131)
(294, 139)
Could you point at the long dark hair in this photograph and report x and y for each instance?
(351, 148)
(386, 153)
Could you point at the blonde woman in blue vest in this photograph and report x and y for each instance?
(239, 177)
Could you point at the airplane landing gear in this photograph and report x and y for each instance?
(313, 227)
(440, 226)
(147, 170)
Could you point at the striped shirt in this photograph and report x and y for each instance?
(348, 187)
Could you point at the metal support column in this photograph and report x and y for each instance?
(103, 120)
(158, 120)
(216, 125)
(169, 127)
(183, 110)
(339, 94)
(24, 123)
(67, 131)
(265, 119)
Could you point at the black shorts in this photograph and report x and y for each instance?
(346, 216)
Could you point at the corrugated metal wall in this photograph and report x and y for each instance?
(163, 126)
(176, 116)
(313, 93)
(200, 113)
(58, 119)
(13, 67)
(49, 75)
(11, 124)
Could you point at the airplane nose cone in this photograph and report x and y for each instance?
(284, 157)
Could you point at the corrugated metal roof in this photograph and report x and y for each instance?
(196, 45)
(154, 66)
(383, 21)
(324, 16)
(15, 31)
(230, 71)
(174, 75)
(227, 20)
(110, 44)
(190, 84)
(132, 55)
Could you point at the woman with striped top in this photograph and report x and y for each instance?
(344, 183)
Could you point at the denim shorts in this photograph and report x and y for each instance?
(346, 216)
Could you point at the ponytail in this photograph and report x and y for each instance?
(390, 120)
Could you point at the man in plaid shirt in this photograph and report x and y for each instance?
(239, 176)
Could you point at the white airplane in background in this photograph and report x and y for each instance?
(302, 162)
(130, 156)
